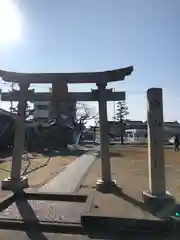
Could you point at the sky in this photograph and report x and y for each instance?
(82, 35)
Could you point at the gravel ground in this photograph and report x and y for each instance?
(33, 210)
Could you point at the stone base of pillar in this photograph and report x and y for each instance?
(104, 186)
(12, 185)
(157, 204)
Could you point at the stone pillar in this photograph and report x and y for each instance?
(157, 185)
(57, 110)
(16, 181)
(105, 183)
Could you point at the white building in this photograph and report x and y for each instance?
(41, 111)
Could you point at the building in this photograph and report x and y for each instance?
(7, 127)
(43, 111)
(137, 130)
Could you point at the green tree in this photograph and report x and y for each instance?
(121, 115)
(121, 111)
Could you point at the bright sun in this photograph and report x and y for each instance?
(10, 22)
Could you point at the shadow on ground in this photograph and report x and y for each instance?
(119, 193)
(168, 209)
(67, 152)
(27, 213)
(29, 217)
(27, 170)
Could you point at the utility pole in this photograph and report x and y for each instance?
(11, 102)
(114, 107)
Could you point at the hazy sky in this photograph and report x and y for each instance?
(82, 35)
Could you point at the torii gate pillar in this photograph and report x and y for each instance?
(16, 181)
(105, 184)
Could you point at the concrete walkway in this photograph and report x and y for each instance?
(68, 180)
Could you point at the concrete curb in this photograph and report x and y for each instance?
(115, 225)
(54, 197)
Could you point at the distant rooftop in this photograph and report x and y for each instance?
(141, 123)
(174, 124)
(6, 113)
(127, 122)
(134, 122)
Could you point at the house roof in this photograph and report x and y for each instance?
(172, 124)
(85, 77)
(134, 122)
(127, 122)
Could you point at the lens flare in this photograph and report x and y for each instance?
(10, 22)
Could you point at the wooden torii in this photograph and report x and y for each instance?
(59, 93)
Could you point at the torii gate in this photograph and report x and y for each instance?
(60, 93)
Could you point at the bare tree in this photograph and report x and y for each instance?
(83, 114)
(94, 128)
(29, 110)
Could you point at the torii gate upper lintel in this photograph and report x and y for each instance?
(102, 95)
(84, 77)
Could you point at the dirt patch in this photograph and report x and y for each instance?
(39, 168)
(43, 170)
